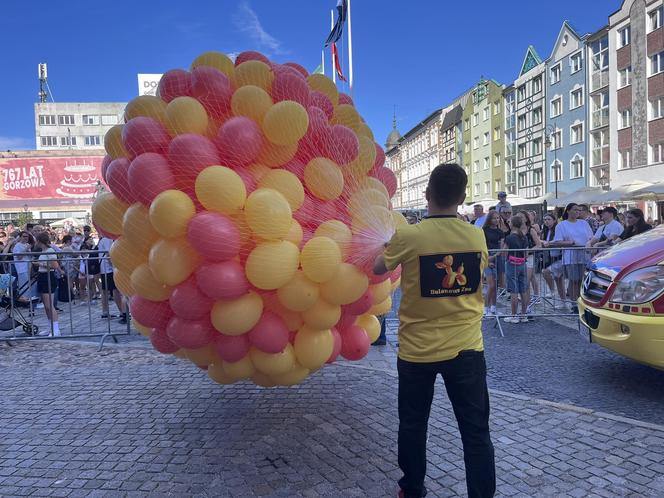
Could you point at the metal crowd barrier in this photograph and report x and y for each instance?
(23, 315)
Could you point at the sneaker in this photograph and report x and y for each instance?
(39, 306)
(43, 333)
(56, 333)
(105, 315)
(511, 319)
(123, 319)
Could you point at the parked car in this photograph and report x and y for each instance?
(622, 299)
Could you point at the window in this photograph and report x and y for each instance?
(625, 159)
(555, 74)
(576, 133)
(657, 108)
(485, 140)
(625, 120)
(476, 166)
(523, 180)
(90, 119)
(66, 141)
(600, 147)
(556, 106)
(496, 133)
(47, 119)
(576, 98)
(575, 62)
(624, 36)
(521, 93)
(476, 189)
(657, 63)
(599, 76)
(66, 119)
(537, 84)
(537, 177)
(600, 110)
(625, 77)
(486, 113)
(537, 146)
(486, 163)
(522, 151)
(487, 187)
(496, 107)
(556, 139)
(655, 19)
(476, 118)
(657, 153)
(498, 184)
(556, 171)
(49, 141)
(466, 147)
(537, 116)
(476, 143)
(466, 124)
(497, 159)
(109, 119)
(576, 168)
(93, 140)
(465, 167)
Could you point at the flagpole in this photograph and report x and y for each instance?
(322, 60)
(334, 73)
(350, 52)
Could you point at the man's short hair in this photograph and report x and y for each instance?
(447, 185)
(585, 207)
(502, 194)
(66, 238)
(611, 210)
(87, 228)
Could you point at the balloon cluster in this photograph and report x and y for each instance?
(247, 202)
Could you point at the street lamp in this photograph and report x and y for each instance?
(548, 133)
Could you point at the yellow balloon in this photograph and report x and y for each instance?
(320, 259)
(324, 178)
(123, 282)
(346, 286)
(202, 357)
(146, 285)
(313, 347)
(396, 283)
(262, 380)
(149, 106)
(292, 319)
(237, 316)
(172, 261)
(273, 156)
(268, 214)
(381, 308)
(381, 291)
(258, 170)
(273, 364)
(137, 229)
(370, 324)
(242, 369)
(245, 234)
(180, 354)
(272, 264)
(377, 218)
(186, 115)
(216, 60)
(254, 73)
(365, 159)
(220, 189)
(170, 213)
(142, 329)
(346, 115)
(322, 315)
(216, 372)
(365, 131)
(295, 233)
(285, 123)
(252, 102)
(295, 376)
(113, 142)
(338, 232)
(126, 256)
(108, 212)
(324, 85)
(299, 294)
(285, 183)
(361, 201)
(371, 182)
(399, 219)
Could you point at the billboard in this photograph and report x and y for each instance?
(50, 181)
(147, 84)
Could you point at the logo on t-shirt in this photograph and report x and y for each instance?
(450, 275)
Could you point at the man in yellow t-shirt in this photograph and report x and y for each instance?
(442, 261)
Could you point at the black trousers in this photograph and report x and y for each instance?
(465, 381)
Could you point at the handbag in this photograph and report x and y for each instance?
(514, 260)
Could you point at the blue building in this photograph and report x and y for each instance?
(566, 101)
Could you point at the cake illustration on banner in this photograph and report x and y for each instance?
(79, 182)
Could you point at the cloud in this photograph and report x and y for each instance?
(247, 21)
(15, 143)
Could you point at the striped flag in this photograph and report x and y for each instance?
(337, 65)
(338, 28)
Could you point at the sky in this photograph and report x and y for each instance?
(415, 55)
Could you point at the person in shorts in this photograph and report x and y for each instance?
(108, 287)
(494, 240)
(47, 264)
(516, 270)
(552, 260)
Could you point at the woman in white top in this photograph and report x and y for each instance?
(47, 264)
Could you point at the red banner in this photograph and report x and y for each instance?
(50, 180)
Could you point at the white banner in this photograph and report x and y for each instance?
(147, 84)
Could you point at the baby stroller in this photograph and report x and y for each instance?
(11, 314)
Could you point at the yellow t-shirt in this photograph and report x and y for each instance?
(442, 261)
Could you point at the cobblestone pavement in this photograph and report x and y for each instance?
(130, 422)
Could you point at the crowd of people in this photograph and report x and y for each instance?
(50, 266)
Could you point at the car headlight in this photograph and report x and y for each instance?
(640, 286)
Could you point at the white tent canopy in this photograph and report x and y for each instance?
(654, 192)
(621, 193)
(585, 195)
(73, 222)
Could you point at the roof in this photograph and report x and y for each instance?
(421, 124)
(531, 60)
(452, 117)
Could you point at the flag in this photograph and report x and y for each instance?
(338, 28)
(337, 66)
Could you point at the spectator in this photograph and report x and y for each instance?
(635, 225)
(108, 287)
(69, 263)
(86, 272)
(517, 270)
(586, 215)
(23, 245)
(502, 202)
(533, 241)
(610, 230)
(494, 240)
(505, 213)
(47, 264)
(479, 216)
(552, 259)
(87, 233)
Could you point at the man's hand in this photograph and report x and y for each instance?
(379, 267)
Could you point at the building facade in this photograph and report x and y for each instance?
(566, 151)
(598, 122)
(451, 134)
(509, 111)
(636, 89)
(75, 125)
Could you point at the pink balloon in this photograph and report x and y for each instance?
(142, 134)
(150, 313)
(174, 83)
(343, 146)
(247, 178)
(296, 167)
(189, 154)
(225, 280)
(290, 87)
(250, 55)
(361, 306)
(270, 334)
(231, 348)
(118, 182)
(188, 302)
(396, 274)
(354, 343)
(161, 342)
(149, 174)
(298, 68)
(239, 141)
(345, 99)
(337, 346)
(322, 101)
(278, 69)
(313, 143)
(214, 236)
(190, 334)
(346, 320)
(313, 212)
(388, 178)
(376, 279)
(104, 166)
(213, 89)
(380, 158)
